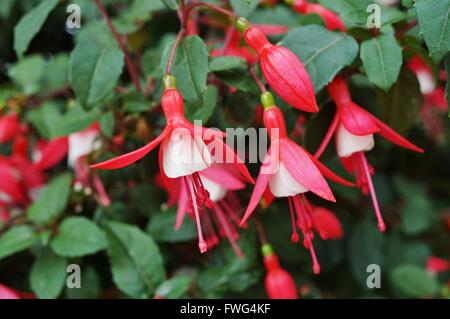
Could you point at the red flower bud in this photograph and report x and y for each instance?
(279, 283)
(327, 224)
(9, 127)
(282, 69)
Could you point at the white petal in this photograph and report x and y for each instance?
(348, 143)
(184, 154)
(216, 192)
(282, 184)
(5, 198)
(81, 144)
(426, 81)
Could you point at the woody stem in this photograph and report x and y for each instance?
(130, 66)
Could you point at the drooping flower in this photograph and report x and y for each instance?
(354, 130)
(220, 218)
(326, 224)
(279, 283)
(331, 19)
(81, 144)
(186, 149)
(437, 265)
(8, 293)
(282, 69)
(290, 171)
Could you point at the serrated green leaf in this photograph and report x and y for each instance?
(94, 71)
(204, 112)
(48, 276)
(107, 124)
(30, 24)
(413, 281)
(382, 60)
(136, 263)
(434, 24)
(78, 236)
(161, 227)
(323, 53)
(190, 67)
(17, 239)
(52, 201)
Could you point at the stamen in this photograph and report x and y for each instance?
(365, 166)
(228, 231)
(201, 241)
(316, 265)
(294, 236)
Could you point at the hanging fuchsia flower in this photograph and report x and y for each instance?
(331, 19)
(186, 149)
(10, 127)
(436, 265)
(354, 128)
(222, 215)
(279, 283)
(281, 68)
(81, 144)
(8, 293)
(290, 171)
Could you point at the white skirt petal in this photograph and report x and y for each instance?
(282, 184)
(348, 143)
(216, 192)
(184, 154)
(81, 144)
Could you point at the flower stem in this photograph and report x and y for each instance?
(226, 12)
(178, 39)
(408, 27)
(258, 81)
(131, 69)
(327, 137)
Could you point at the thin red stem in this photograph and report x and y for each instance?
(408, 27)
(327, 137)
(131, 68)
(365, 166)
(258, 81)
(211, 6)
(174, 50)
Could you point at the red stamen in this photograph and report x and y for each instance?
(192, 195)
(366, 170)
(226, 227)
(294, 236)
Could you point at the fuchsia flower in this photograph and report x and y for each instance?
(290, 171)
(81, 144)
(354, 128)
(8, 293)
(331, 19)
(220, 217)
(436, 265)
(186, 150)
(10, 127)
(281, 68)
(326, 223)
(279, 283)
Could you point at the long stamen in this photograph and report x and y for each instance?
(365, 166)
(294, 236)
(201, 241)
(316, 265)
(227, 229)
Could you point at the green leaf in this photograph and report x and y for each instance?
(365, 248)
(90, 285)
(324, 53)
(382, 60)
(52, 201)
(161, 227)
(204, 112)
(136, 263)
(30, 24)
(355, 12)
(190, 67)
(244, 7)
(48, 276)
(78, 236)
(401, 105)
(27, 74)
(280, 15)
(17, 239)
(46, 119)
(75, 120)
(174, 288)
(107, 124)
(434, 24)
(413, 281)
(56, 73)
(94, 71)
(224, 63)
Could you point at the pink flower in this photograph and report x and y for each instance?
(8, 293)
(290, 171)
(331, 19)
(437, 265)
(186, 150)
(326, 223)
(10, 127)
(354, 130)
